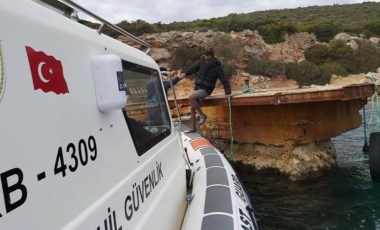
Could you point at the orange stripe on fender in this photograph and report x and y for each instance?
(197, 143)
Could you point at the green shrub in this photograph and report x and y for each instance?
(305, 28)
(229, 70)
(350, 63)
(306, 73)
(325, 31)
(227, 48)
(265, 68)
(317, 54)
(338, 49)
(137, 28)
(275, 32)
(372, 28)
(185, 57)
(367, 57)
(334, 68)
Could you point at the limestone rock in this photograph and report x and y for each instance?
(343, 36)
(353, 44)
(375, 40)
(299, 162)
(289, 51)
(160, 55)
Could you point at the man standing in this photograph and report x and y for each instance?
(207, 70)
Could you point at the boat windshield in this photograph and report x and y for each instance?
(146, 112)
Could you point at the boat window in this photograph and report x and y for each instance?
(146, 112)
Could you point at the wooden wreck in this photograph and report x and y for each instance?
(276, 117)
(280, 121)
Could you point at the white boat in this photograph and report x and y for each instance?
(77, 148)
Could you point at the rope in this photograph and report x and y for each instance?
(246, 89)
(365, 147)
(374, 103)
(230, 122)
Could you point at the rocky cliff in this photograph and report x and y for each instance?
(292, 50)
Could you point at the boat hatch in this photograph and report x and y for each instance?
(109, 82)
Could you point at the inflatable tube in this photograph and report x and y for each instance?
(374, 156)
(218, 199)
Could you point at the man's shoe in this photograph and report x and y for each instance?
(202, 119)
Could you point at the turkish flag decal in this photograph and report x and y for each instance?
(47, 72)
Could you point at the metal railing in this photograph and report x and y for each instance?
(105, 23)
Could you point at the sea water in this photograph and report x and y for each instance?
(342, 198)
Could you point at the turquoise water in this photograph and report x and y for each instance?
(343, 198)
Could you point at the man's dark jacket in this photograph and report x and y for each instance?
(206, 75)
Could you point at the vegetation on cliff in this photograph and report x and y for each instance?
(323, 21)
(338, 58)
(326, 57)
(322, 60)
